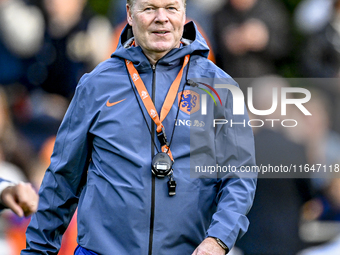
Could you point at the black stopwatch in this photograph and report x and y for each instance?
(161, 165)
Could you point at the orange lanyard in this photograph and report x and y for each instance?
(149, 105)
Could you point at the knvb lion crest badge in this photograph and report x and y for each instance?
(190, 101)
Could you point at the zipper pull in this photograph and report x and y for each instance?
(172, 186)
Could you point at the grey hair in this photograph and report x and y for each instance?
(132, 2)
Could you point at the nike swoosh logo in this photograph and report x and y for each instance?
(108, 104)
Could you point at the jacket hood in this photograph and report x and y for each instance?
(194, 44)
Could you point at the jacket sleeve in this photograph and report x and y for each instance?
(3, 185)
(63, 180)
(236, 190)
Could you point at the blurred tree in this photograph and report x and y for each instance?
(288, 67)
(100, 6)
(291, 4)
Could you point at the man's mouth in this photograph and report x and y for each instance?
(161, 32)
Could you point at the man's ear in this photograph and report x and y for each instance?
(129, 14)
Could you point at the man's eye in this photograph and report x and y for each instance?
(148, 9)
(172, 9)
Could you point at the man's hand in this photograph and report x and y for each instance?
(209, 246)
(21, 199)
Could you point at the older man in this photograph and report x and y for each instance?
(124, 159)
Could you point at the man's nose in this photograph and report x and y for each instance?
(161, 15)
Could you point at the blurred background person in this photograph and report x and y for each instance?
(323, 147)
(320, 58)
(275, 215)
(322, 143)
(321, 214)
(76, 39)
(251, 36)
(16, 161)
(16, 155)
(21, 34)
(321, 51)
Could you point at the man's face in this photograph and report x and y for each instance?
(157, 24)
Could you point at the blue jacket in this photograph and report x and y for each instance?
(102, 163)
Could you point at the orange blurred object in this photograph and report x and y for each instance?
(15, 236)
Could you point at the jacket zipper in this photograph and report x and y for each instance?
(152, 214)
